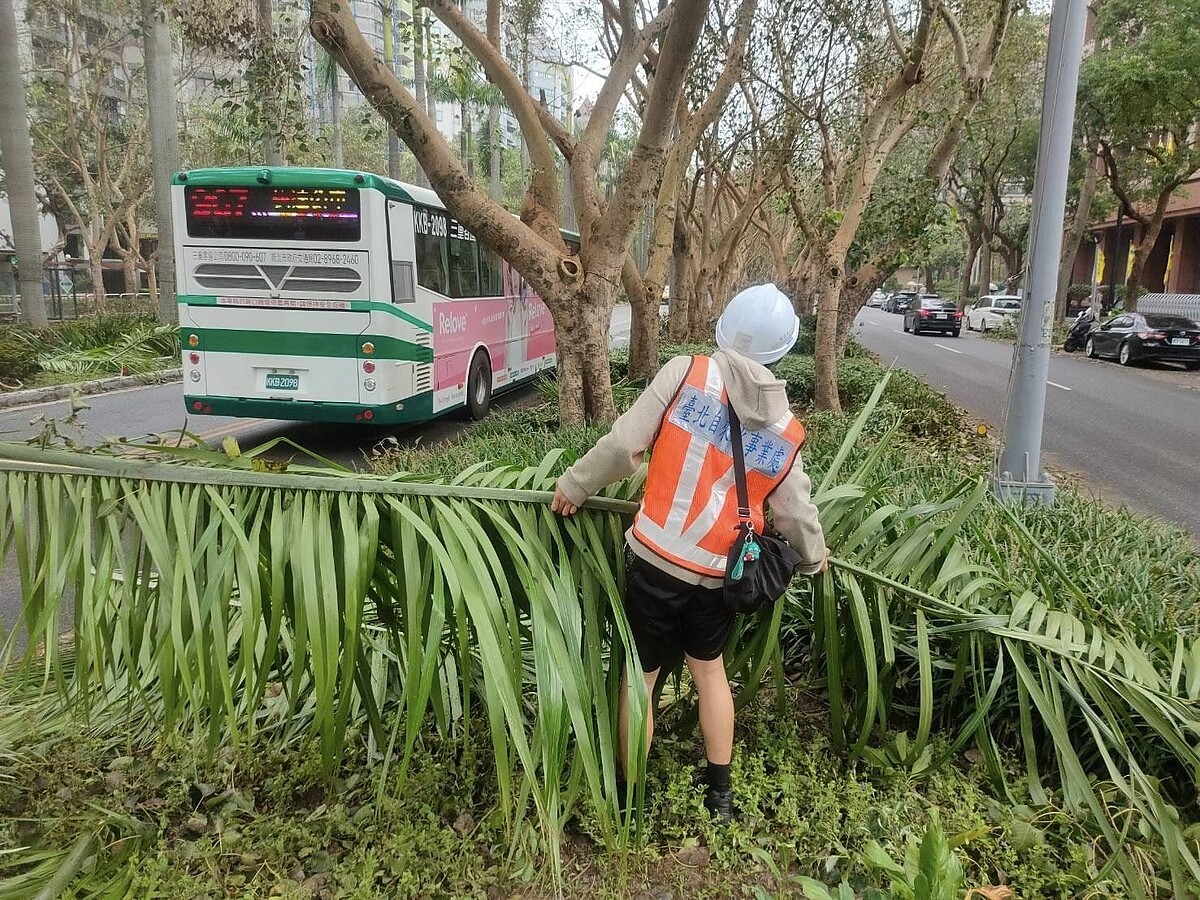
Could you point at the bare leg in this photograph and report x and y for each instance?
(716, 707)
(623, 717)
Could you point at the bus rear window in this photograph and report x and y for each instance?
(273, 213)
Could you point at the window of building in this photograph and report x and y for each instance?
(464, 262)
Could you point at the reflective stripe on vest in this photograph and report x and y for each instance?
(689, 512)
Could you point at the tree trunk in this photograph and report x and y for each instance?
(420, 76)
(152, 280)
(682, 286)
(855, 292)
(495, 140)
(526, 78)
(584, 378)
(164, 151)
(964, 278)
(99, 295)
(985, 266)
(272, 152)
(645, 325)
(389, 60)
(129, 272)
(335, 121)
(828, 308)
(16, 148)
(1014, 267)
(1147, 238)
(1083, 214)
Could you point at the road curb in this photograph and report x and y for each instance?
(101, 386)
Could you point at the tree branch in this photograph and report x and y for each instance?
(334, 27)
(645, 165)
(544, 181)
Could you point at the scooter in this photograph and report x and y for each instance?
(1079, 331)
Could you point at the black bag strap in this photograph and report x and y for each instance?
(739, 463)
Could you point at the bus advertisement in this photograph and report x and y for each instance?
(336, 296)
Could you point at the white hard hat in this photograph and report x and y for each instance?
(759, 323)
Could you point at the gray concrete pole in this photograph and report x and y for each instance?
(1020, 466)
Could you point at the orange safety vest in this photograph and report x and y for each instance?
(689, 514)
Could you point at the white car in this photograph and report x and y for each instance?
(993, 311)
(876, 300)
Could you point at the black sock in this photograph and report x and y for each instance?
(718, 776)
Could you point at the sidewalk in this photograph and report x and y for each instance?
(14, 399)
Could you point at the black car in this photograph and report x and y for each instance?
(898, 302)
(933, 314)
(1134, 337)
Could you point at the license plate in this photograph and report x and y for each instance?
(278, 382)
(1181, 342)
(943, 316)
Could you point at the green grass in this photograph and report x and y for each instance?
(262, 819)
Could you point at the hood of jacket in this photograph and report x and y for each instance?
(758, 397)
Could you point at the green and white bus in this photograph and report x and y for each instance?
(337, 296)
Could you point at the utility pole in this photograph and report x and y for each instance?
(1019, 472)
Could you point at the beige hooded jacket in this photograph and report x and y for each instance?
(759, 399)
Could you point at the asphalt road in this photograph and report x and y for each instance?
(1131, 434)
(158, 412)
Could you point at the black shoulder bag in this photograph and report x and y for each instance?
(760, 567)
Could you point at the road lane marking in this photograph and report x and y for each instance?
(1062, 387)
(229, 429)
(951, 349)
(897, 331)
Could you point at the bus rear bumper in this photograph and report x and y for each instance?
(414, 409)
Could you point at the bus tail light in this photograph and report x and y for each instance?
(194, 359)
(193, 340)
(198, 406)
(368, 415)
(368, 367)
(369, 384)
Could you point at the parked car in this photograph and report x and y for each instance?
(933, 314)
(1132, 337)
(898, 302)
(993, 311)
(876, 299)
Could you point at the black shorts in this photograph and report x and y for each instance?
(668, 616)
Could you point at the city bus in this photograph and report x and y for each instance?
(325, 295)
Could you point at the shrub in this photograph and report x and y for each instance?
(17, 361)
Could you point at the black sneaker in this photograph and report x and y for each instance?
(719, 803)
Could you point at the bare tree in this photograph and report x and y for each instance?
(89, 148)
(850, 109)
(645, 289)
(579, 290)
